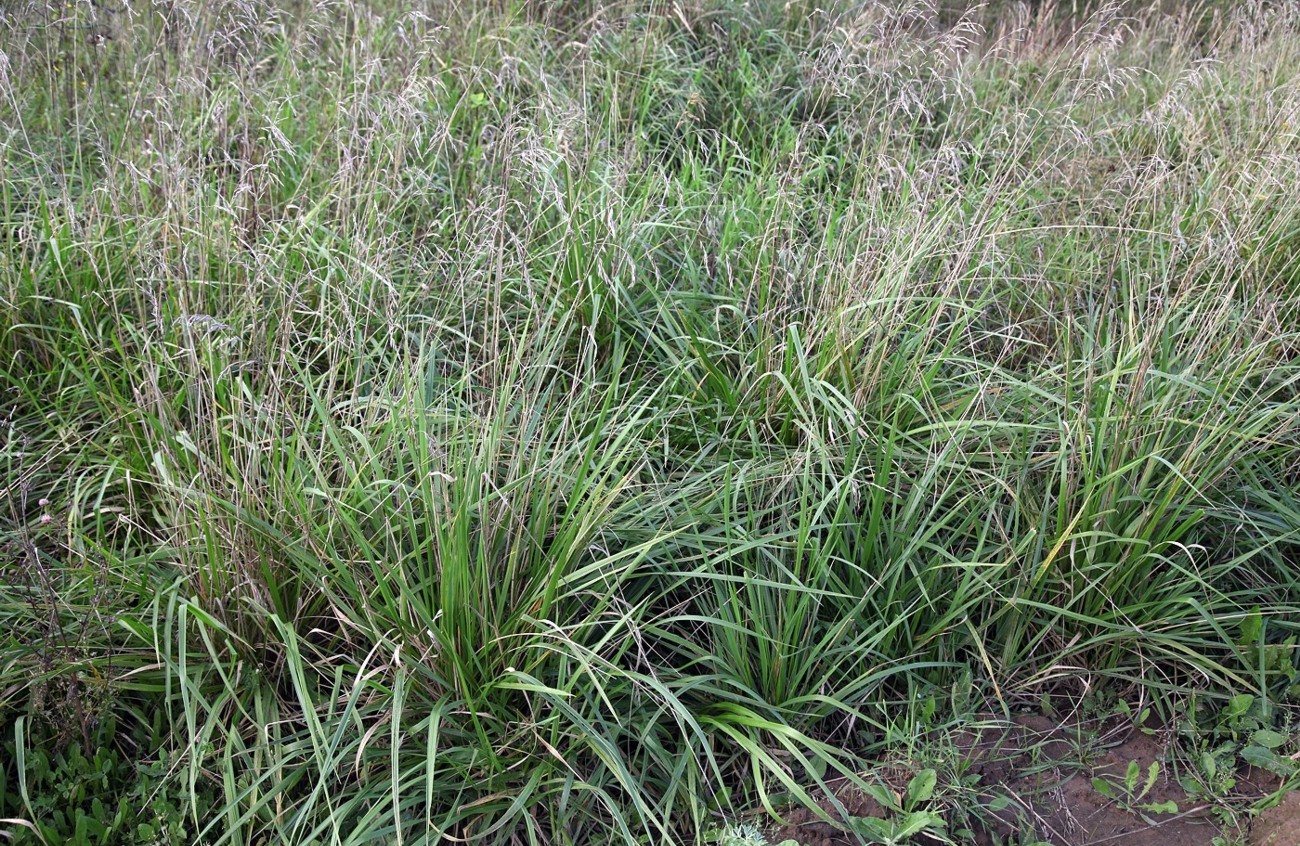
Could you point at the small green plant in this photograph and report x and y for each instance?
(1133, 788)
(910, 813)
(739, 834)
(1246, 729)
(96, 797)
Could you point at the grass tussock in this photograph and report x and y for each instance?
(576, 422)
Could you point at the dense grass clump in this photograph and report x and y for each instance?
(581, 422)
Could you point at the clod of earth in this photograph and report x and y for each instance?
(1279, 825)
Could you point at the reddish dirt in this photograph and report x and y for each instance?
(1061, 805)
(1279, 825)
(1036, 775)
(804, 826)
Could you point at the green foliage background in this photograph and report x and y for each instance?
(580, 422)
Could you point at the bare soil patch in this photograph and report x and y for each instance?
(1279, 825)
(806, 828)
(1037, 777)
(1049, 776)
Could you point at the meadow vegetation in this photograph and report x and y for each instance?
(594, 421)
